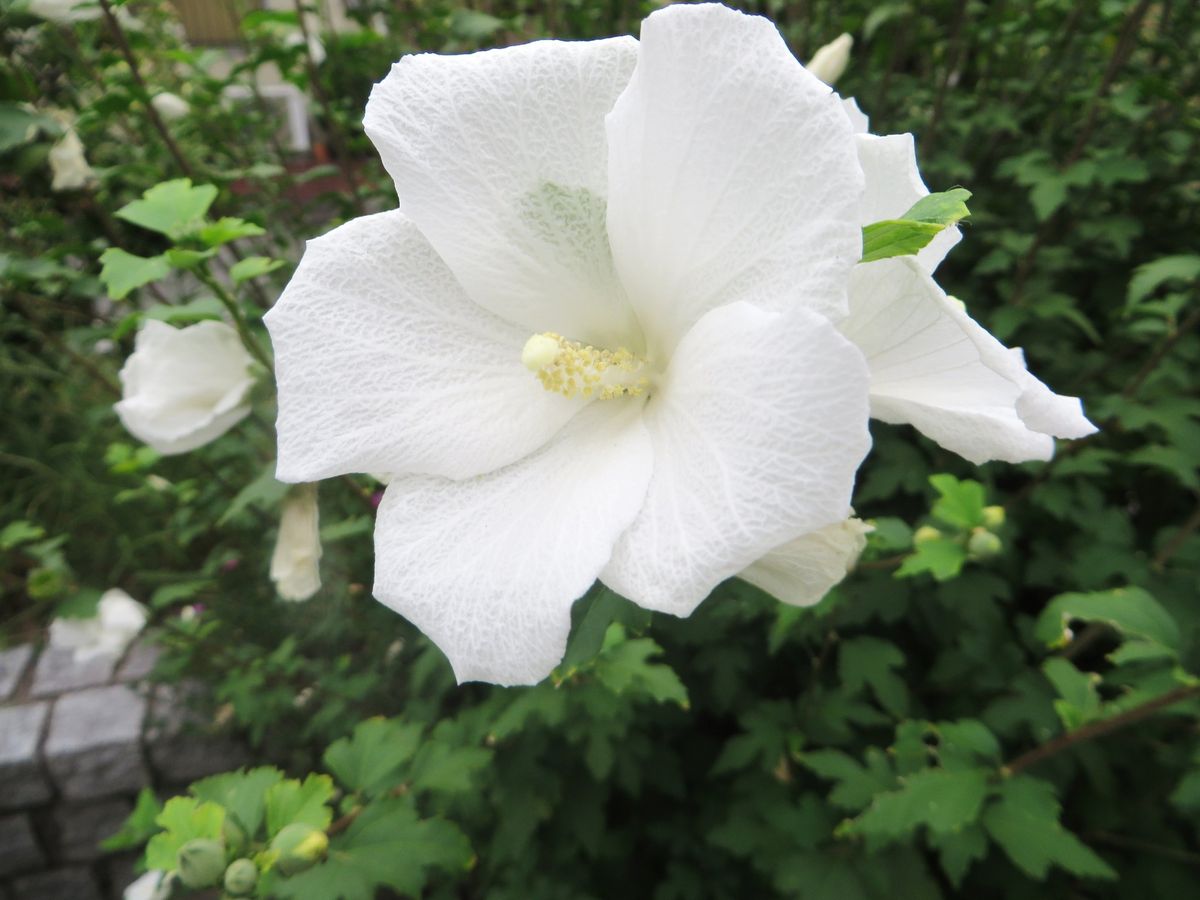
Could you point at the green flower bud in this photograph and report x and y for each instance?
(298, 846)
(993, 516)
(983, 544)
(201, 862)
(241, 877)
(234, 835)
(924, 534)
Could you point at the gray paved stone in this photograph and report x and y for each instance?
(81, 827)
(139, 661)
(22, 781)
(63, 884)
(93, 748)
(19, 849)
(58, 672)
(12, 666)
(182, 747)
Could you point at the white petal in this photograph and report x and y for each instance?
(732, 175)
(385, 365)
(860, 123)
(802, 571)
(758, 429)
(1039, 407)
(893, 185)
(295, 561)
(488, 568)
(935, 368)
(499, 157)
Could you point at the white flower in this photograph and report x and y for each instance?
(65, 12)
(69, 167)
(830, 61)
(118, 620)
(802, 571)
(685, 212)
(145, 888)
(184, 387)
(170, 106)
(295, 562)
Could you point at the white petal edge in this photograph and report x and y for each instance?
(860, 122)
(500, 159)
(732, 175)
(894, 184)
(385, 365)
(758, 428)
(803, 571)
(488, 568)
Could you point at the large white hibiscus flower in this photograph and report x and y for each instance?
(663, 232)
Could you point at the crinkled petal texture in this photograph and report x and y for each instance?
(758, 428)
(893, 185)
(488, 568)
(184, 387)
(385, 365)
(500, 159)
(803, 571)
(935, 368)
(733, 175)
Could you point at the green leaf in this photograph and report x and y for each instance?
(624, 667)
(1148, 277)
(944, 801)
(141, 825)
(19, 532)
(122, 271)
(1024, 822)
(18, 125)
(959, 850)
(960, 503)
(197, 310)
(291, 801)
(173, 208)
(226, 229)
(598, 609)
(1079, 701)
(1131, 611)
(856, 784)
(916, 228)
(942, 558)
(182, 819)
(966, 743)
(182, 590)
(445, 767)
(264, 492)
(243, 794)
(252, 267)
(869, 661)
(945, 208)
(182, 258)
(473, 25)
(367, 760)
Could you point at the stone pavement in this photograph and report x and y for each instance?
(77, 743)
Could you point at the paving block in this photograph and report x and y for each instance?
(140, 660)
(57, 672)
(74, 883)
(22, 780)
(19, 849)
(182, 746)
(13, 662)
(81, 827)
(93, 748)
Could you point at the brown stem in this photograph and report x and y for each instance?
(1159, 354)
(1094, 730)
(1131, 843)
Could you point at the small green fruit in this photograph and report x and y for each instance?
(200, 862)
(993, 516)
(924, 534)
(299, 846)
(241, 877)
(983, 544)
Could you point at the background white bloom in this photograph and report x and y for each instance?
(170, 106)
(688, 203)
(69, 168)
(118, 620)
(184, 387)
(295, 563)
(830, 61)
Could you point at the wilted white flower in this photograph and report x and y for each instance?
(184, 387)
(118, 620)
(295, 563)
(661, 232)
(146, 887)
(170, 106)
(830, 61)
(802, 571)
(69, 167)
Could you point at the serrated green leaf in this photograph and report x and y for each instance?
(1131, 611)
(243, 794)
(445, 768)
(1079, 701)
(291, 801)
(263, 492)
(182, 258)
(182, 819)
(140, 826)
(624, 667)
(966, 743)
(944, 208)
(252, 267)
(226, 229)
(1149, 276)
(123, 271)
(592, 615)
(944, 801)
(914, 230)
(368, 760)
(1024, 822)
(173, 208)
(942, 558)
(869, 661)
(959, 850)
(856, 784)
(960, 503)
(20, 532)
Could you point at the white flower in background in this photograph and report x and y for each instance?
(830, 61)
(184, 387)
(145, 888)
(118, 620)
(683, 212)
(295, 565)
(69, 167)
(802, 571)
(170, 106)
(65, 12)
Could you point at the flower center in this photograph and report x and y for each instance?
(574, 369)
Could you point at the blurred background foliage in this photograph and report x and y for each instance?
(1013, 723)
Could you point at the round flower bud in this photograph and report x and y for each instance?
(201, 862)
(241, 877)
(234, 835)
(993, 516)
(924, 534)
(983, 544)
(298, 846)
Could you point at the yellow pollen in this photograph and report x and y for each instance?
(574, 369)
